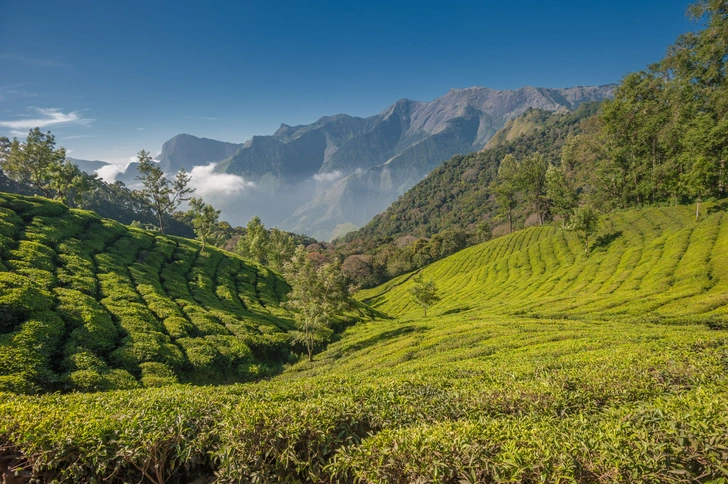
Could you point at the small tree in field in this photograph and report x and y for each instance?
(163, 195)
(317, 297)
(424, 292)
(584, 221)
(204, 220)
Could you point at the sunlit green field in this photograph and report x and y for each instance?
(539, 364)
(656, 263)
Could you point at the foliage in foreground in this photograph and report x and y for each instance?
(89, 304)
(507, 400)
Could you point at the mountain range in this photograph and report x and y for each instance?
(336, 174)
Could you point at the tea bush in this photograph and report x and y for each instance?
(125, 298)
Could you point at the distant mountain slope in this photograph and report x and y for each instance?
(87, 166)
(657, 264)
(89, 304)
(342, 170)
(187, 151)
(409, 139)
(454, 194)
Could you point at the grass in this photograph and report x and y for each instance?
(539, 365)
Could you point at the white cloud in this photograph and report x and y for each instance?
(217, 188)
(108, 172)
(15, 132)
(46, 118)
(78, 137)
(328, 177)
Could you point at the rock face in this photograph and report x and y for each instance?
(342, 170)
(187, 151)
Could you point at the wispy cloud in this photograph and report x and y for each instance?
(202, 118)
(44, 118)
(328, 177)
(78, 137)
(16, 132)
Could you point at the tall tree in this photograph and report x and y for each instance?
(280, 249)
(32, 162)
(505, 189)
(563, 197)
(204, 220)
(254, 244)
(424, 292)
(531, 181)
(163, 195)
(585, 222)
(317, 297)
(68, 182)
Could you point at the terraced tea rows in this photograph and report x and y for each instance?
(450, 399)
(89, 304)
(484, 390)
(657, 263)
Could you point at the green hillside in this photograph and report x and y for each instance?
(89, 304)
(656, 263)
(540, 364)
(455, 194)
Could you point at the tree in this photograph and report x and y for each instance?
(562, 196)
(531, 182)
(68, 182)
(424, 292)
(584, 221)
(32, 162)
(505, 189)
(163, 195)
(484, 231)
(317, 297)
(204, 220)
(254, 244)
(281, 247)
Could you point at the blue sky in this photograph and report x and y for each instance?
(110, 78)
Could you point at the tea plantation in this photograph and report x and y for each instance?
(539, 364)
(89, 304)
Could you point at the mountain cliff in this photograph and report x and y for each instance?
(422, 136)
(343, 170)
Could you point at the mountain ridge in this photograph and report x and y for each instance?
(308, 171)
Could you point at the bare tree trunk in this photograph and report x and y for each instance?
(161, 223)
(697, 210)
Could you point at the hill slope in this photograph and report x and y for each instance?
(455, 194)
(87, 303)
(656, 263)
(482, 391)
(401, 145)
